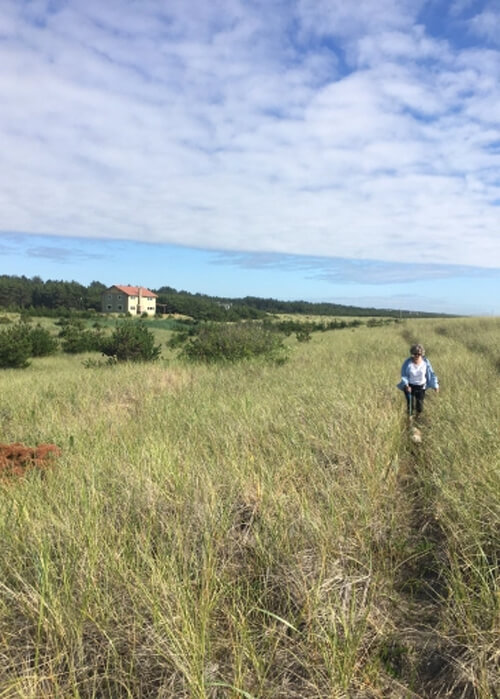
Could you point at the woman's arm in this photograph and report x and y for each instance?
(431, 378)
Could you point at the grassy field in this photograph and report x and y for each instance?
(256, 530)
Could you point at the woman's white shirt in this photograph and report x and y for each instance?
(416, 373)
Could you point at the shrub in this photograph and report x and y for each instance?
(100, 363)
(15, 347)
(42, 342)
(222, 342)
(76, 339)
(131, 341)
(303, 335)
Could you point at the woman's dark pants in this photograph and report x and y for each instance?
(417, 396)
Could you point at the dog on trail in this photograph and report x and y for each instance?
(415, 435)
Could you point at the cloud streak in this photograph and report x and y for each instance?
(61, 254)
(300, 128)
(349, 271)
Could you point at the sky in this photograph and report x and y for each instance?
(321, 150)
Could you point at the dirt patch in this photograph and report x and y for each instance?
(17, 459)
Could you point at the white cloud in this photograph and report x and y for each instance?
(458, 7)
(406, 47)
(352, 20)
(486, 24)
(237, 128)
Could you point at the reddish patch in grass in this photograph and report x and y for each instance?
(17, 459)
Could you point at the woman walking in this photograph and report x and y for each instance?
(417, 375)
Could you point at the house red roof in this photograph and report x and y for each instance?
(134, 290)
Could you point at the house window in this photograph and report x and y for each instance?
(109, 307)
(120, 308)
(119, 297)
(109, 297)
(132, 308)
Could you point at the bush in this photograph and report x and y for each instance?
(223, 342)
(42, 342)
(15, 347)
(303, 335)
(131, 341)
(76, 339)
(100, 363)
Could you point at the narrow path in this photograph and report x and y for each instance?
(419, 656)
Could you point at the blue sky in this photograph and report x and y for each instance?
(300, 149)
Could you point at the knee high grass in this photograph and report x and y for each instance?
(255, 530)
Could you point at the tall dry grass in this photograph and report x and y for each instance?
(256, 531)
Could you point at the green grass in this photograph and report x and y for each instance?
(253, 530)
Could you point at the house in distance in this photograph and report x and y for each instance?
(135, 300)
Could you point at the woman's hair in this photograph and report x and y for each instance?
(417, 349)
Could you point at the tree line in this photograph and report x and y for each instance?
(205, 307)
(22, 293)
(33, 296)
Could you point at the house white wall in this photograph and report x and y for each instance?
(115, 300)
